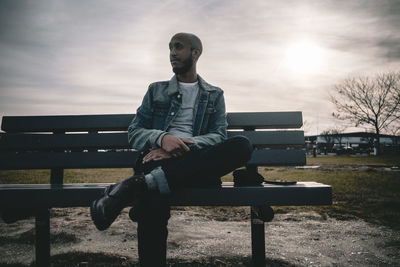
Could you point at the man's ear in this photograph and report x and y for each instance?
(196, 53)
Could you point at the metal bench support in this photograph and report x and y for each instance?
(257, 238)
(42, 238)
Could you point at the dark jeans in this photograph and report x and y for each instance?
(202, 167)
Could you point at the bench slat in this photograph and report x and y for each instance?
(278, 157)
(67, 123)
(123, 159)
(26, 142)
(73, 160)
(265, 120)
(120, 122)
(272, 137)
(29, 142)
(81, 195)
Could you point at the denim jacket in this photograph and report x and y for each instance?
(160, 106)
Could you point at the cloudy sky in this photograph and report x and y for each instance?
(93, 57)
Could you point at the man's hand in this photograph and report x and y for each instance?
(156, 154)
(176, 146)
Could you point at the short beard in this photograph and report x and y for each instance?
(187, 64)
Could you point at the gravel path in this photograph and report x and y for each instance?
(301, 239)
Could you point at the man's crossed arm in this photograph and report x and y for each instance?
(172, 146)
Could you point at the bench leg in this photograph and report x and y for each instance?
(257, 239)
(56, 176)
(42, 241)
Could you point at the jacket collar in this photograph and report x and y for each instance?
(173, 86)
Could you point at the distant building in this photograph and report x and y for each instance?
(356, 142)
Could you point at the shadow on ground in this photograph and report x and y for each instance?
(78, 259)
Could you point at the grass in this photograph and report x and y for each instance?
(371, 194)
(70, 176)
(382, 160)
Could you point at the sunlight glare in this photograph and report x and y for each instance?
(304, 57)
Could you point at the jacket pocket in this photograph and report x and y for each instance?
(205, 126)
(160, 113)
(210, 110)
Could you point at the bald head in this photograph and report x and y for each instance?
(194, 41)
(184, 51)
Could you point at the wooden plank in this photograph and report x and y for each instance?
(124, 159)
(29, 142)
(272, 137)
(265, 120)
(120, 122)
(73, 160)
(67, 123)
(278, 157)
(33, 142)
(81, 195)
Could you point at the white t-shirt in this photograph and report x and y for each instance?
(182, 125)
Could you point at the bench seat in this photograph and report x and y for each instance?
(15, 196)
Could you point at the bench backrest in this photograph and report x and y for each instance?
(100, 141)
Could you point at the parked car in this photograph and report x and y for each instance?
(342, 149)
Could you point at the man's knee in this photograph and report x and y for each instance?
(243, 147)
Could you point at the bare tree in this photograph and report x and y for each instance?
(369, 101)
(329, 140)
(394, 130)
(337, 135)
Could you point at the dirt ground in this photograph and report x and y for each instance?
(294, 239)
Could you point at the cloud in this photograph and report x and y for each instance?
(99, 56)
(390, 47)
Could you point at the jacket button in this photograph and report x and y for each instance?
(172, 113)
(179, 96)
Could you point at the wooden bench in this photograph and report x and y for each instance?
(100, 141)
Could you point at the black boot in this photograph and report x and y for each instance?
(246, 178)
(106, 209)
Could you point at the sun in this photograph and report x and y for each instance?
(304, 57)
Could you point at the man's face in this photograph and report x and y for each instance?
(180, 55)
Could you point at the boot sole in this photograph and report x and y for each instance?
(98, 220)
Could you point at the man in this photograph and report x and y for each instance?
(180, 128)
